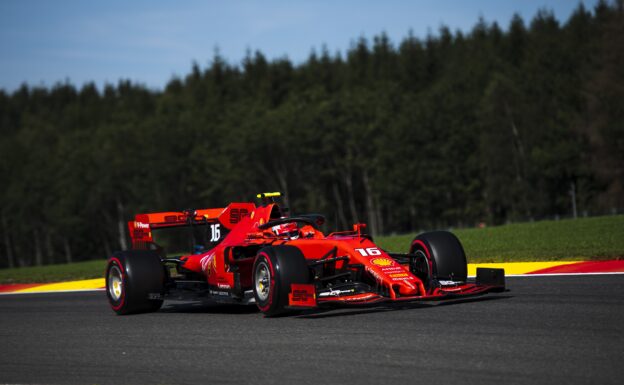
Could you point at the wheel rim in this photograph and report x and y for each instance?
(115, 283)
(421, 264)
(263, 281)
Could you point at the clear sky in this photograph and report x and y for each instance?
(149, 41)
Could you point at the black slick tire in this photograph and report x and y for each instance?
(135, 281)
(447, 259)
(274, 270)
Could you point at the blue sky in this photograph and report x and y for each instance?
(149, 41)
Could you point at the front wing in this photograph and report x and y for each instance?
(487, 281)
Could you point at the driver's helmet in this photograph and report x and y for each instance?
(291, 230)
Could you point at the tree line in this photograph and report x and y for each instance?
(455, 129)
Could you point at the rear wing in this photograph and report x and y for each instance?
(141, 227)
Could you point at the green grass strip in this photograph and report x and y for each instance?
(54, 273)
(570, 239)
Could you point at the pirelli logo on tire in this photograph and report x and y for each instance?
(302, 295)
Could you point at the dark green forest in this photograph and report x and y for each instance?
(499, 124)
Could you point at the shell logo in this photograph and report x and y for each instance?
(382, 262)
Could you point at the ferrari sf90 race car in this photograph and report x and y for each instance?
(260, 255)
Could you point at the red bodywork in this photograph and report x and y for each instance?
(227, 265)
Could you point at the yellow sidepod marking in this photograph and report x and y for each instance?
(515, 268)
(88, 284)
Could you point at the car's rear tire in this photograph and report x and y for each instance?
(274, 270)
(446, 256)
(135, 281)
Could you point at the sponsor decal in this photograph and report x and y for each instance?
(175, 218)
(393, 268)
(216, 292)
(302, 295)
(374, 274)
(223, 286)
(336, 293)
(141, 225)
(406, 279)
(382, 262)
(399, 275)
(207, 261)
(237, 214)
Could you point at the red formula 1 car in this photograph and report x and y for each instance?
(248, 254)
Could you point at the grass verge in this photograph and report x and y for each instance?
(54, 273)
(570, 239)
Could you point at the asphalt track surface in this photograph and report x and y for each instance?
(551, 330)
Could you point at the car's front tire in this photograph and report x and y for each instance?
(274, 270)
(445, 254)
